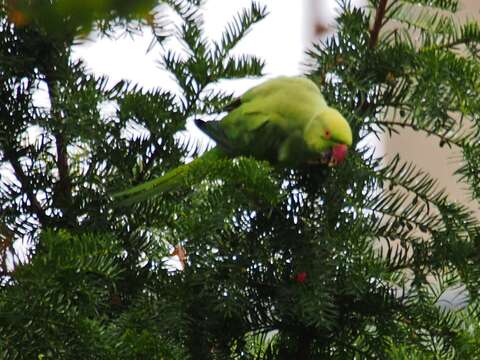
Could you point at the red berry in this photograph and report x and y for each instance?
(301, 277)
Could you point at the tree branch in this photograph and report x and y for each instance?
(63, 188)
(65, 182)
(377, 25)
(27, 188)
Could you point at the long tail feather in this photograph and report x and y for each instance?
(171, 181)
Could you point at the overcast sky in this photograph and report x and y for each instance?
(279, 39)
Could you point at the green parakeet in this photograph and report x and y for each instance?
(285, 121)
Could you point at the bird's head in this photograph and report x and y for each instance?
(328, 136)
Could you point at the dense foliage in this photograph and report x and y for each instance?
(310, 263)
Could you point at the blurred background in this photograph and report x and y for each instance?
(422, 150)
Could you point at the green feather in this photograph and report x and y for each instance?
(173, 180)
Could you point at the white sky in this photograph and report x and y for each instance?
(279, 39)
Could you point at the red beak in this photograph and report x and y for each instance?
(339, 153)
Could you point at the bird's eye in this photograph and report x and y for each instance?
(327, 134)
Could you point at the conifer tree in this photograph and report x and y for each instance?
(310, 263)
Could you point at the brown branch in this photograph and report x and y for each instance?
(63, 188)
(27, 188)
(377, 25)
(65, 182)
(365, 106)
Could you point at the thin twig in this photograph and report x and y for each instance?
(377, 25)
(63, 168)
(27, 188)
